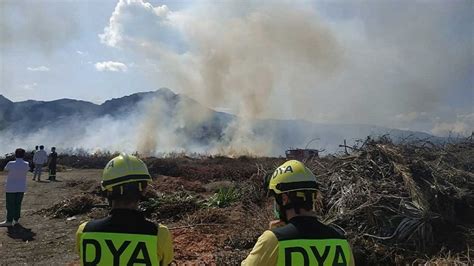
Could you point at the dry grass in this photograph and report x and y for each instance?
(398, 203)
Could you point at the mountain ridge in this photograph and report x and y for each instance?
(32, 116)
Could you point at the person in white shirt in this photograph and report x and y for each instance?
(15, 187)
(39, 159)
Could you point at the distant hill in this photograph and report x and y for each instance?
(35, 114)
(74, 117)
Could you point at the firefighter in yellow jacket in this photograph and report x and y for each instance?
(125, 237)
(298, 238)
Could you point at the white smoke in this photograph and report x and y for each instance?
(295, 60)
(283, 60)
(241, 62)
(152, 119)
(463, 126)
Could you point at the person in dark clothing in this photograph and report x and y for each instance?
(53, 157)
(32, 164)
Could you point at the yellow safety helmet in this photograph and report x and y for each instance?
(124, 169)
(292, 176)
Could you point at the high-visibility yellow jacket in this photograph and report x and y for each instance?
(124, 238)
(303, 241)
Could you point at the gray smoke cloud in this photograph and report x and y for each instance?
(75, 134)
(153, 119)
(396, 64)
(245, 63)
(38, 25)
(283, 60)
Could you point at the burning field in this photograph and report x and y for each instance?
(397, 204)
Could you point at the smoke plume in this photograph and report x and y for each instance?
(324, 62)
(244, 62)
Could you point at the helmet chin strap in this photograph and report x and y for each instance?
(280, 209)
(283, 216)
(280, 213)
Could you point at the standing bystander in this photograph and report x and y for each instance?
(39, 159)
(15, 187)
(53, 157)
(32, 164)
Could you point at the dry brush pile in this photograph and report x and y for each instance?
(403, 203)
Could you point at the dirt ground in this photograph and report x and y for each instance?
(201, 236)
(53, 242)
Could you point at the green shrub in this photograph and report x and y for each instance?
(170, 205)
(224, 197)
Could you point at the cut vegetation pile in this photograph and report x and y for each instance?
(397, 204)
(73, 206)
(402, 203)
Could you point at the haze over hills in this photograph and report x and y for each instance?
(162, 121)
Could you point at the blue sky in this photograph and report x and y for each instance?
(397, 63)
(71, 60)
